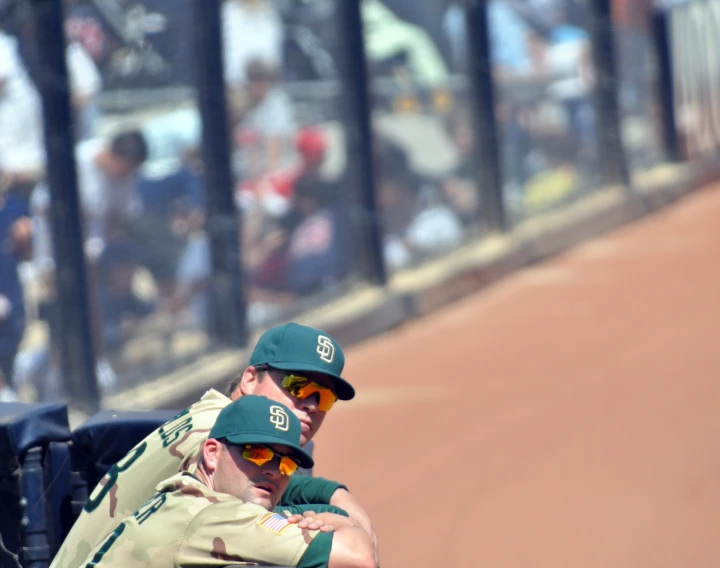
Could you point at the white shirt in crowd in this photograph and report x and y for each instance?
(252, 29)
(84, 77)
(273, 116)
(433, 230)
(100, 194)
(21, 125)
(85, 84)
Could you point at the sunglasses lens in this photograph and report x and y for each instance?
(258, 455)
(294, 384)
(302, 388)
(327, 399)
(288, 466)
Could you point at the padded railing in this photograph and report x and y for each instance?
(47, 472)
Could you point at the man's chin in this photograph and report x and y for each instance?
(265, 502)
(263, 498)
(306, 436)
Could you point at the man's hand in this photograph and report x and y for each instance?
(324, 522)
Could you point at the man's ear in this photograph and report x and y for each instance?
(248, 383)
(211, 455)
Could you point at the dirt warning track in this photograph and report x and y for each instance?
(566, 416)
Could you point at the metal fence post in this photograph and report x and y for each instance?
(665, 90)
(488, 170)
(609, 118)
(228, 313)
(357, 112)
(76, 338)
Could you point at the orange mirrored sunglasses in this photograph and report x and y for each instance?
(262, 455)
(303, 387)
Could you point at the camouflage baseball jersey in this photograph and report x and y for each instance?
(130, 482)
(188, 524)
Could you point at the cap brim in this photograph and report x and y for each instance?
(343, 389)
(304, 459)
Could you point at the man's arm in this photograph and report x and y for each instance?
(346, 501)
(351, 546)
(239, 530)
(320, 491)
(304, 490)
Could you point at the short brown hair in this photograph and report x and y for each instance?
(237, 379)
(131, 146)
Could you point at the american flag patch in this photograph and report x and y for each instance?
(274, 523)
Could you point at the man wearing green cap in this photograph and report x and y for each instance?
(296, 365)
(222, 515)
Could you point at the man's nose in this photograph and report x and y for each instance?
(310, 404)
(272, 470)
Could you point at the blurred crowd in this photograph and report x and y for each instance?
(140, 173)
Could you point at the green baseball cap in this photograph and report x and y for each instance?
(295, 347)
(258, 420)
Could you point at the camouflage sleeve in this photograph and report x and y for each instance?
(237, 532)
(309, 490)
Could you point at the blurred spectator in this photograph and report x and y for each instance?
(165, 195)
(83, 25)
(425, 15)
(107, 181)
(458, 187)
(309, 249)
(121, 308)
(515, 120)
(169, 135)
(38, 367)
(252, 30)
(265, 117)
(556, 179)
(453, 23)
(85, 84)
(272, 214)
(538, 42)
(568, 57)
(416, 222)
(311, 147)
(22, 150)
(170, 182)
(511, 48)
(276, 189)
(318, 252)
(189, 301)
(525, 37)
(631, 20)
(188, 295)
(387, 37)
(171, 222)
(15, 246)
